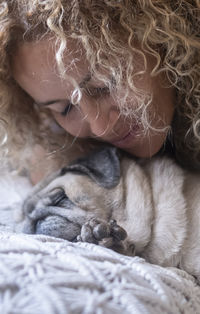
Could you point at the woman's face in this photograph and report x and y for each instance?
(97, 114)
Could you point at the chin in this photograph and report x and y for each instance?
(144, 152)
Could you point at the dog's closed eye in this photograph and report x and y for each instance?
(59, 198)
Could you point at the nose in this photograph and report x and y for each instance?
(102, 122)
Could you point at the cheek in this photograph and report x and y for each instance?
(164, 103)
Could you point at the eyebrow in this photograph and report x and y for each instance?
(86, 79)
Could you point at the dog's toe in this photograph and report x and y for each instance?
(117, 232)
(107, 234)
(87, 234)
(101, 231)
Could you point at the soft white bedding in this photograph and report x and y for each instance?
(40, 274)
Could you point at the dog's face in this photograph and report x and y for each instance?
(88, 188)
(102, 186)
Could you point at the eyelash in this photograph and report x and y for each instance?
(67, 109)
(93, 92)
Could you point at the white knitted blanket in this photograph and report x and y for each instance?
(40, 274)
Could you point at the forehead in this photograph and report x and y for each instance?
(34, 65)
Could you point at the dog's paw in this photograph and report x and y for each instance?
(107, 234)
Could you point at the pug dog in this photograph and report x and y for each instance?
(150, 209)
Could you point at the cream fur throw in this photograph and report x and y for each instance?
(40, 274)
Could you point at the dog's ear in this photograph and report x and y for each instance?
(102, 166)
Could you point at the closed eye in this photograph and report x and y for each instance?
(60, 199)
(64, 107)
(57, 195)
(67, 109)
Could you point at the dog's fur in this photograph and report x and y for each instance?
(157, 203)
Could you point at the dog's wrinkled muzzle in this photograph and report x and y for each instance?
(53, 216)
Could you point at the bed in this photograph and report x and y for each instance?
(41, 274)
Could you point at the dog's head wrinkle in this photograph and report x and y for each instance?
(102, 166)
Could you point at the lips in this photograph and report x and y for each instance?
(125, 140)
(118, 141)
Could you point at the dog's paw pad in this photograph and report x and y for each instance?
(118, 233)
(87, 234)
(107, 234)
(101, 231)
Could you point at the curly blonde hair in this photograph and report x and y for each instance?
(108, 30)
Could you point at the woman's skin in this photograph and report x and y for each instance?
(97, 114)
